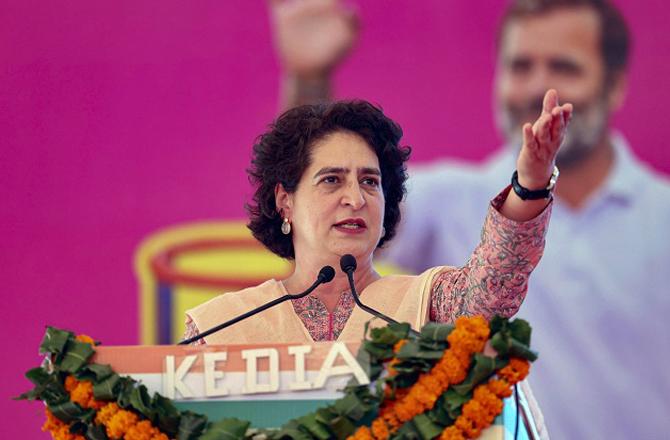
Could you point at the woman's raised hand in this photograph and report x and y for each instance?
(541, 142)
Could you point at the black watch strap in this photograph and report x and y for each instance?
(527, 194)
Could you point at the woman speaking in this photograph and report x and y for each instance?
(329, 180)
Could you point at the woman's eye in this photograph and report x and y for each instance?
(330, 179)
(370, 181)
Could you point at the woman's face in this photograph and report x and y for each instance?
(338, 205)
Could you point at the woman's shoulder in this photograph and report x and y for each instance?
(402, 282)
(249, 298)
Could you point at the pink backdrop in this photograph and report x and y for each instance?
(118, 118)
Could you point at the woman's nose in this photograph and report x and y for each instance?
(353, 196)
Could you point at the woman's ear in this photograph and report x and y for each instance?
(283, 201)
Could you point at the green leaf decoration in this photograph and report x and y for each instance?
(96, 432)
(94, 372)
(315, 428)
(520, 330)
(358, 406)
(54, 340)
(227, 429)
(68, 411)
(191, 426)
(451, 403)
(482, 368)
(76, 355)
(167, 415)
(407, 432)
(141, 402)
(426, 428)
(106, 389)
(512, 339)
(434, 335)
(342, 427)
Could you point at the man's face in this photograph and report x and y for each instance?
(560, 50)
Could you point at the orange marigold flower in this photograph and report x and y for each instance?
(452, 433)
(488, 400)
(71, 383)
(468, 427)
(52, 422)
(58, 429)
(144, 430)
(398, 345)
(515, 371)
(85, 338)
(474, 411)
(500, 388)
(105, 414)
(83, 395)
(362, 433)
(379, 430)
(120, 422)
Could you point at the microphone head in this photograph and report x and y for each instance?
(326, 274)
(348, 263)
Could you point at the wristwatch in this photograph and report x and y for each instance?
(526, 194)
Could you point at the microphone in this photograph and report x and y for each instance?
(326, 275)
(348, 266)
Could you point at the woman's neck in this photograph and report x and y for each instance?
(305, 274)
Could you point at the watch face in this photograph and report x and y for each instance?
(553, 178)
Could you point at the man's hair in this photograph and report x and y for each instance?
(614, 33)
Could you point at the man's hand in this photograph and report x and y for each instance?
(541, 142)
(312, 36)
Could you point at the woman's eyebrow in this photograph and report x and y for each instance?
(369, 170)
(331, 170)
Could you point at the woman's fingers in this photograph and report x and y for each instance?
(550, 101)
(528, 136)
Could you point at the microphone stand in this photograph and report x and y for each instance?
(326, 275)
(348, 266)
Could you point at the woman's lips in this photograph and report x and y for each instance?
(351, 226)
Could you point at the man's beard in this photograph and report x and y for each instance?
(586, 130)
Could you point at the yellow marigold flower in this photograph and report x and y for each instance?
(379, 430)
(105, 414)
(500, 388)
(452, 433)
(85, 338)
(120, 422)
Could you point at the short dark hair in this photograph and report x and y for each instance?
(283, 153)
(615, 40)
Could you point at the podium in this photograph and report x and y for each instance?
(267, 384)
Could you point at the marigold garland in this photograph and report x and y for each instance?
(468, 337)
(118, 423)
(396, 406)
(480, 411)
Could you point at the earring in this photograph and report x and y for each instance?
(285, 227)
(383, 232)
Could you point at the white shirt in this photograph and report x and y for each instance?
(598, 302)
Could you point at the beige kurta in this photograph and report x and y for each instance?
(405, 298)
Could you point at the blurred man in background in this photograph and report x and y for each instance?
(599, 299)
